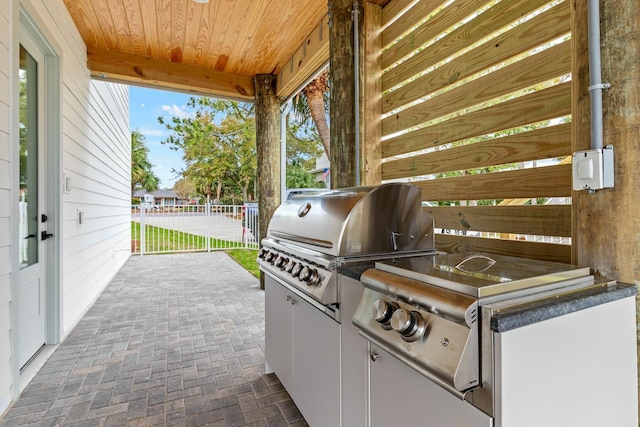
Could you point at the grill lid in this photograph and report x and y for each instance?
(356, 221)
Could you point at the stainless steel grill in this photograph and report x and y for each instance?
(310, 235)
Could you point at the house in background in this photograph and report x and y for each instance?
(321, 173)
(160, 197)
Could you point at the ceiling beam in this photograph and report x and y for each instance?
(138, 70)
(310, 56)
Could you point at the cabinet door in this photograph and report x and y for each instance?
(279, 332)
(316, 364)
(580, 367)
(399, 396)
(355, 352)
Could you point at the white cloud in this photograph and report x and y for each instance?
(151, 132)
(175, 111)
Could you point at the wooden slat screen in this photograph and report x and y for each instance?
(476, 111)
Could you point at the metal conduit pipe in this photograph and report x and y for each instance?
(593, 169)
(284, 112)
(595, 74)
(356, 93)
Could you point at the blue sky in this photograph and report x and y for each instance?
(145, 106)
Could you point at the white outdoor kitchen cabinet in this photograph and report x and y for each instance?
(398, 393)
(574, 370)
(303, 349)
(354, 355)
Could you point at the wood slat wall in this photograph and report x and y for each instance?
(527, 219)
(476, 107)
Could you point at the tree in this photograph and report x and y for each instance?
(142, 176)
(218, 146)
(303, 143)
(184, 188)
(315, 104)
(298, 177)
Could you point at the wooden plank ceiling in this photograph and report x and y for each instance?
(213, 48)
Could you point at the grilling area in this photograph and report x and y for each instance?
(476, 261)
(362, 311)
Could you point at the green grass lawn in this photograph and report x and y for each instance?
(163, 240)
(247, 259)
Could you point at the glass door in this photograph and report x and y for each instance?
(31, 201)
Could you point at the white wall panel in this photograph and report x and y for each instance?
(96, 156)
(5, 260)
(5, 289)
(4, 145)
(5, 208)
(4, 116)
(5, 174)
(5, 237)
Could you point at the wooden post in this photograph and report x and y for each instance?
(267, 111)
(342, 115)
(371, 99)
(606, 234)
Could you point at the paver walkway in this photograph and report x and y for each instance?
(174, 340)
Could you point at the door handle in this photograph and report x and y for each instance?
(30, 236)
(44, 235)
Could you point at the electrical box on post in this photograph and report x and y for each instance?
(593, 169)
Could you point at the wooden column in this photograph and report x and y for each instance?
(371, 96)
(607, 224)
(342, 115)
(267, 111)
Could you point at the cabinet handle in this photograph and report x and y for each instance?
(373, 356)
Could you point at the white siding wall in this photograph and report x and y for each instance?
(5, 210)
(95, 154)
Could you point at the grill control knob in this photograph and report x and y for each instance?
(281, 262)
(316, 278)
(290, 265)
(271, 257)
(296, 270)
(263, 253)
(304, 273)
(382, 310)
(410, 324)
(308, 274)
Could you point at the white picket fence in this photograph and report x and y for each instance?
(193, 228)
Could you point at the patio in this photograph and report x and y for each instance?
(173, 340)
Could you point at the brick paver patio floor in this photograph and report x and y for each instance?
(174, 340)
